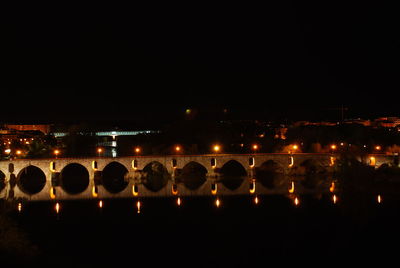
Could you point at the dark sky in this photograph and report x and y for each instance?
(153, 60)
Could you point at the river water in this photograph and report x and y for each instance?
(238, 233)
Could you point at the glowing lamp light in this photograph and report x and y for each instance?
(56, 152)
(57, 207)
(135, 190)
(332, 160)
(101, 204)
(254, 147)
(378, 148)
(333, 146)
(52, 192)
(18, 152)
(372, 161)
(95, 192)
(256, 201)
(178, 148)
(334, 199)
(379, 199)
(332, 188)
(291, 161)
(214, 188)
(296, 201)
(291, 189)
(217, 148)
(137, 150)
(178, 201)
(138, 205)
(19, 207)
(295, 147)
(252, 189)
(174, 189)
(217, 203)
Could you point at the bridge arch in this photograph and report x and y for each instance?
(270, 174)
(232, 174)
(31, 180)
(74, 178)
(113, 177)
(193, 175)
(156, 176)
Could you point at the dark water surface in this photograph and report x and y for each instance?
(198, 234)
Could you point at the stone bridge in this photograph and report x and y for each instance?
(161, 176)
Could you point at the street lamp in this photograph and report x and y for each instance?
(56, 152)
(178, 149)
(216, 148)
(99, 151)
(137, 150)
(255, 147)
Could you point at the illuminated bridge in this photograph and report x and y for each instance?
(173, 175)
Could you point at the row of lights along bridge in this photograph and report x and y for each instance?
(216, 148)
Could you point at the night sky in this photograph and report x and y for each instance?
(278, 60)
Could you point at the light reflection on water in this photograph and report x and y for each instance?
(237, 231)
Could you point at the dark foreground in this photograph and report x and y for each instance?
(198, 234)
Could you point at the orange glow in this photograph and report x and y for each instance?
(137, 150)
(52, 193)
(216, 148)
(253, 187)
(256, 200)
(217, 202)
(332, 188)
(295, 147)
(138, 205)
(56, 152)
(178, 148)
(291, 189)
(334, 199)
(214, 188)
(178, 201)
(99, 150)
(101, 204)
(135, 190)
(379, 199)
(378, 148)
(255, 147)
(57, 207)
(332, 160)
(18, 152)
(291, 163)
(94, 191)
(19, 207)
(296, 201)
(372, 161)
(174, 189)
(333, 146)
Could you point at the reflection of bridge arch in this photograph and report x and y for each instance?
(156, 176)
(232, 174)
(31, 180)
(74, 178)
(270, 174)
(193, 175)
(113, 177)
